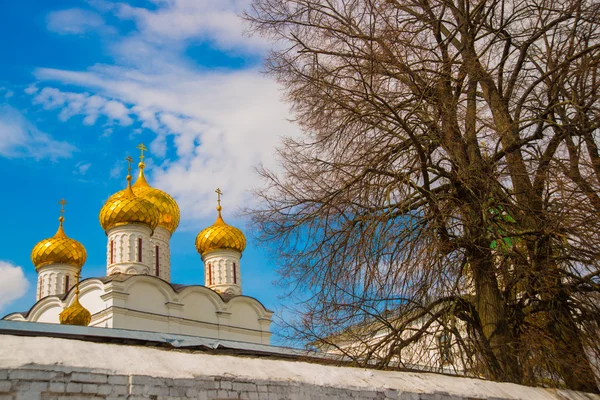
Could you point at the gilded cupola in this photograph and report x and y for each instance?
(220, 236)
(168, 210)
(75, 314)
(128, 208)
(59, 249)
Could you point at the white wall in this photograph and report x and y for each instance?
(87, 367)
(145, 302)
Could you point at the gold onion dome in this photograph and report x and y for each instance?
(220, 236)
(128, 209)
(75, 314)
(168, 210)
(59, 249)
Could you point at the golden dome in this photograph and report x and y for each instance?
(128, 209)
(220, 236)
(59, 249)
(168, 210)
(75, 314)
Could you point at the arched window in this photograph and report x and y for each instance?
(210, 273)
(112, 251)
(234, 274)
(139, 249)
(157, 262)
(66, 283)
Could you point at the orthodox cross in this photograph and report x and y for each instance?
(142, 149)
(62, 203)
(219, 193)
(77, 276)
(129, 160)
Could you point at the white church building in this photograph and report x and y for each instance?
(137, 292)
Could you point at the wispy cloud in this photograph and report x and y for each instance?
(74, 21)
(91, 106)
(20, 138)
(13, 284)
(82, 167)
(222, 124)
(180, 20)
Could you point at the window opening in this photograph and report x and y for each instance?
(112, 251)
(157, 262)
(444, 346)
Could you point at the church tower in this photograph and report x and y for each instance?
(168, 221)
(58, 260)
(220, 247)
(129, 222)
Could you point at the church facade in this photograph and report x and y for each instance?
(137, 292)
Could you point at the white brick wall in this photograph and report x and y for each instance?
(42, 368)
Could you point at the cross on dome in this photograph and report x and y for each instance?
(62, 203)
(129, 161)
(77, 277)
(219, 193)
(142, 148)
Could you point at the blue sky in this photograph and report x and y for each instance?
(83, 82)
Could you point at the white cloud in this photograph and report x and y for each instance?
(13, 284)
(117, 170)
(180, 20)
(222, 123)
(31, 89)
(73, 21)
(91, 106)
(82, 167)
(20, 138)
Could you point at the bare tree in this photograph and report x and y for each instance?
(448, 174)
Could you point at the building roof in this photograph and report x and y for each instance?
(146, 338)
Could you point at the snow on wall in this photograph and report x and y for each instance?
(46, 368)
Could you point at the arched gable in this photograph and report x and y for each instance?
(46, 310)
(148, 293)
(201, 304)
(247, 312)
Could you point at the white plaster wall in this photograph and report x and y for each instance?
(144, 302)
(243, 314)
(144, 296)
(199, 306)
(90, 297)
(162, 238)
(50, 314)
(125, 239)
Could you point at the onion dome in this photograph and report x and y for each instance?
(59, 249)
(220, 236)
(128, 209)
(168, 210)
(75, 314)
